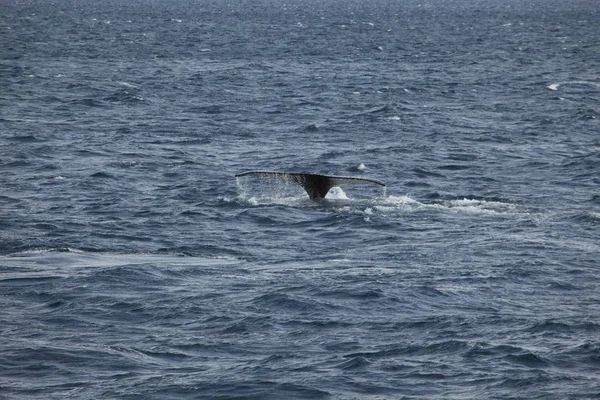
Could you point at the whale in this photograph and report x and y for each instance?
(315, 185)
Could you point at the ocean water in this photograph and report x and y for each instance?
(134, 265)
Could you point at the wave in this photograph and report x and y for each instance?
(589, 218)
(555, 86)
(60, 257)
(126, 95)
(397, 350)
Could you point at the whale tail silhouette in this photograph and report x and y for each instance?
(315, 185)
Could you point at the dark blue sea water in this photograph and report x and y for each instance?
(134, 265)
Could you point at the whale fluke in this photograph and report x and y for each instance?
(315, 185)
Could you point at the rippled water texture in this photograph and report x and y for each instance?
(134, 264)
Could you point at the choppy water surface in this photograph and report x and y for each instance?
(133, 264)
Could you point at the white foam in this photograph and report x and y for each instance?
(340, 201)
(49, 250)
(476, 206)
(399, 200)
(252, 201)
(79, 258)
(394, 204)
(556, 85)
(129, 85)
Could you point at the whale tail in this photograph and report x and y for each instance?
(315, 185)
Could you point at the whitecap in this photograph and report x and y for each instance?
(45, 251)
(556, 85)
(129, 85)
